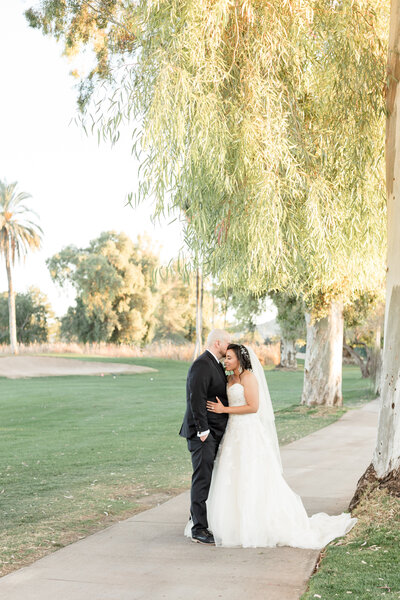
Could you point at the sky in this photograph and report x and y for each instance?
(78, 187)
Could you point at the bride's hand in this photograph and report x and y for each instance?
(215, 407)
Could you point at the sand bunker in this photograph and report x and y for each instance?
(15, 367)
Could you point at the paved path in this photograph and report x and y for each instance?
(146, 557)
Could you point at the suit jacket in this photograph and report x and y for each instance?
(206, 379)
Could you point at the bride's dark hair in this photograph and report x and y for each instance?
(242, 355)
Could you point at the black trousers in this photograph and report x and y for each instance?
(203, 455)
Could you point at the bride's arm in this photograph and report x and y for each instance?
(250, 387)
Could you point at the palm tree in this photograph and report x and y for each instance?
(18, 234)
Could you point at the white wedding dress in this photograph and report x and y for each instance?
(249, 503)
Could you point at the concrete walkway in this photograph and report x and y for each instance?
(146, 557)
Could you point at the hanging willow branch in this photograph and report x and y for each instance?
(262, 123)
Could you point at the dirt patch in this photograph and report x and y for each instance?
(16, 367)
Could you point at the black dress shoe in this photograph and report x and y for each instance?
(203, 536)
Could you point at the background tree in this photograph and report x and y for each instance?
(33, 313)
(176, 306)
(18, 235)
(292, 323)
(115, 286)
(244, 308)
(247, 307)
(362, 336)
(324, 348)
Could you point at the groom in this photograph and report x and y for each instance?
(203, 430)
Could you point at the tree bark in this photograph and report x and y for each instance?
(225, 311)
(364, 365)
(11, 304)
(387, 452)
(377, 362)
(384, 471)
(213, 310)
(288, 354)
(199, 314)
(323, 364)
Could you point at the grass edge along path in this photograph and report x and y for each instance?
(61, 507)
(365, 564)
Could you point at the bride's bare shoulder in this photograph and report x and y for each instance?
(248, 378)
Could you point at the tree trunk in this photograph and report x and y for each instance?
(199, 314)
(323, 364)
(11, 304)
(288, 354)
(364, 365)
(225, 311)
(387, 452)
(376, 362)
(213, 309)
(201, 310)
(384, 471)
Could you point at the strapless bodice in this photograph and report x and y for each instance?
(235, 393)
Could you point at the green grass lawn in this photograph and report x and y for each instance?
(80, 452)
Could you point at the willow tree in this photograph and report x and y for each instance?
(262, 123)
(18, 235)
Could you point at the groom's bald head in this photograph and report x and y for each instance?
(217, 342)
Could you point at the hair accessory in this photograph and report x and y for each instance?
(245, 357)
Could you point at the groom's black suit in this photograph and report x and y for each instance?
(206, 379)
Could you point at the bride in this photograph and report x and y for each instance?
(249, 503)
